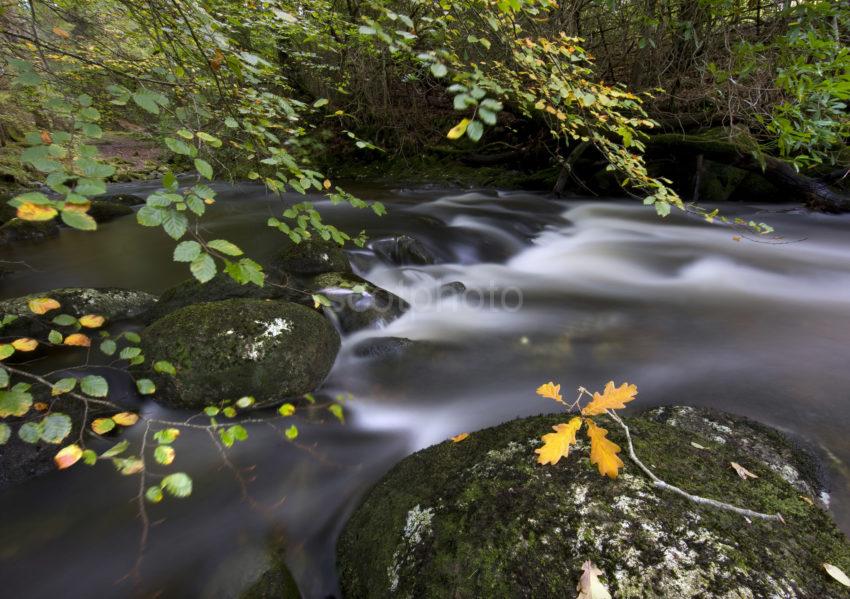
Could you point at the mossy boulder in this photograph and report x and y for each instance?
(102, 211)
(355, 302)
(22, 231)
(225, 350)
(312, 257)
(124, 199)
(222, 287)
(481, 518)
(111, 302)
(402, 250)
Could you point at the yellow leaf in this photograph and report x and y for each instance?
(557, 444)
(42, 305)
(78, 340)
(68, 456)
(61, 33)
(837, 573)
(550, 390)
(71, 207)
(46, 138)
(326, 184)
(92, 321)
(460, 437)
(742, 472)
(102, 425)
(612, 398)
(458, 130)
(126, 418)
(589, 585)
(807, 500)
(24, 344)
(603, 452)
(40, 406)
(30, 211)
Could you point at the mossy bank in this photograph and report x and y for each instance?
(481, 518)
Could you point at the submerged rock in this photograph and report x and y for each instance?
(381, 347)
(481, 518)
(17, 231)
(225, 350)
(222, 287)
(125, 199)
(357, 303)
(102, 211)
(402, 251)
(312, 257)
(112, 302)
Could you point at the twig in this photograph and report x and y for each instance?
(660, 484)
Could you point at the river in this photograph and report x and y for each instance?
(575, 291)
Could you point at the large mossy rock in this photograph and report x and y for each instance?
(481, 518)
(103, 211)
(222, 287)
(225, 350)
(20, 231)
(402, 250)
(111, 302)
(355, 302)
(312, 257)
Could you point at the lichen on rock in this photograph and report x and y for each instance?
(501, 525)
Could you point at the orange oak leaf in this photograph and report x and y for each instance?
(612, 398)
(603, 452)
(550, 390)
(460, 437)
(557, 445)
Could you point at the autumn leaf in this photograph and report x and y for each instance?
(68, 456)
(612, 398)
(102, 425)
(326, 184)
(603, 452)
(742, 472)
(557, 444)
(126, 418)
(77, 340)
(460, 437)
(837, 573)
(58, 31)
(36, 212)
(42, 305)
(46, 138)
(589, 585)
(77, 207)
(25, 344)
(92, 321)
(550, 390)
(458, 130)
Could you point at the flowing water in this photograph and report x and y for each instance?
(578, 292)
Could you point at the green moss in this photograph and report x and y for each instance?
(503, 526)
(224, 350)
(312, 257)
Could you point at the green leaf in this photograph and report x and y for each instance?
(174, 223)
(30, 432)
(291, 433)
(148, 216)
(6, 350)
(225, 247)
(79, 220)
(337, 411)
(210, 139)
(54, 337)
(4, 378)
(286, 410)
(5, 433)
(320, 102)
(164, 454)
(145, 386)
(95, 386)
(55, 428)
(245, 402)
(226, 437)
(230, 123)
(178, 484)
(164, 367)
(128, 353)
(475, 130)
(153, 494)
(179, 147)
(203, 268)
(186, 251)
(132, 337)
(15, 401)
(116, 449)
(65, 385)
(90, 187)
(211, 411)
(662, 208)
(64, 320)
(108, 347)
(147, 101)
(438, 69)
(203, 167)
(239, 433)
(89, 457)
(166, 435)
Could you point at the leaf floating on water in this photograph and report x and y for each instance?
(77, 340)
(68, 456)
(603, 452)
(42, 305)
(742, 472)
(126, 418)
(92, 321)
(25, 344)
(557, 444)
(589, 585)
(101, 426)
(551, 391)
(612, 398)
(837, 573)
(460, 437)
